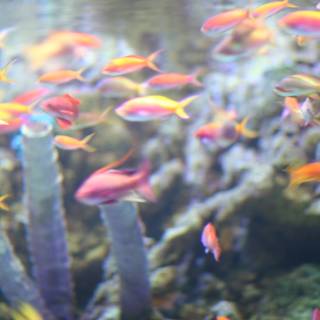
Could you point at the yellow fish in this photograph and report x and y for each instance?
(4, 72)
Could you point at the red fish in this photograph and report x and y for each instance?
(315, 314)
(12, 125)
(110, 185)
(302, 23)
(210, 241)
(31, 96)
(131, 63)
(172, 80)
(64, 108)
(224, 21)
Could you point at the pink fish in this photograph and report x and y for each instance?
(153, 107)
(210, 241)
(12, 125)
(109, 185)
(31, 96)
(64, 108)
(315, 314)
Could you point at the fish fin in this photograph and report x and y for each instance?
(72, 99)
(79, 74)
(180, 112)
(117, 163)
(3, 205)
(85, 141)
(4, 72)
(151, 58)
(244, 131)
(290, 5)
(63, 123)
(133, 197)
(145, 188)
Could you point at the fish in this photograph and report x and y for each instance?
(172, 80)
(228, 130)
(224, 21)
(3, 205)
(309, 172)
(119, 87)
(248, 37)
(14, 109)
(210, 241)
(62, 76)
(111, 185)
(73, 38)
(315, 314)
(4, 72)
(70, 143)
(270, 8)
(302, 23)
(298, 85)
(222, 318)
(11, 125)
(153, 108)
(64, 108)
(31, 96)
(131, 63)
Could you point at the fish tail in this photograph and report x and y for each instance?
(3, 205)
(194, 78)
(79, 74)
(151, 58)
(5, 70)
(142, 89)
(290, 5)
(144, 187)
(244, 131)
(180, 112)
(85, 141)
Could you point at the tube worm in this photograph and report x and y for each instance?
(127, 246)
(46, 225)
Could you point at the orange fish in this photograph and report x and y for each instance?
(70, 143)
(73, 38)
(307, 173)
(153, 107)
(268, 9)
(210, 241)
(222, 318)
(224, 21)
(229, 130)
(11, 125)
(131, 63)
(172, 80)
(62, 76)
(15, 109)
(302, 23)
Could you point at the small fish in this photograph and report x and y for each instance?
(153, 107)
(3, 205)
(172, 80)
(31, 96)
(72, 38)
(131, 63)
(307, 173)
(270, 8)
(224, 21)
(302, 23)
(210, 241)
(70, 143)
(248, 37)
(62, 76)
(64, 108)
(4, 72)
(298, 85)
(229, 130)
(120, 87)
(315, 314)
(110, 185)
(222, 318)
(12, 125)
